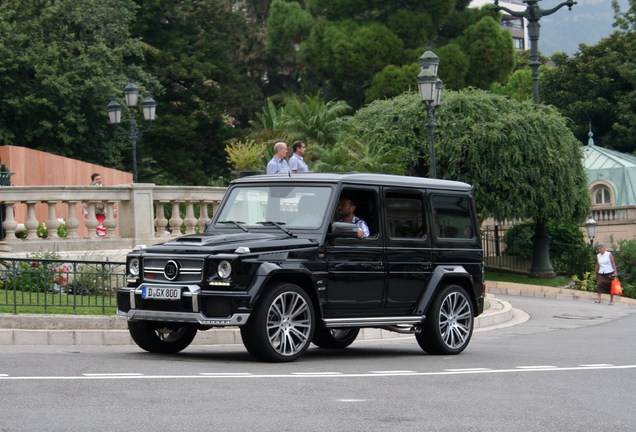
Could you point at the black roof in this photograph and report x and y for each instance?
(357, 178)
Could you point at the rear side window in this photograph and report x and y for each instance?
(452, 217)
(405, 216)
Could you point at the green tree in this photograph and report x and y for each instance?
(535, 167)
(287, 26)
(313, 120)
(610, 104)
(59, 64)
(206, 57)
(490, 52)
(342, 57)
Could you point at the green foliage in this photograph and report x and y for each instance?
(42, 231)
(625, 257)
(209, 60)
(313, 120)
(456, 66)
(569, 252)
(396, 127)
(610, 104)
(535, 167)
(586, 283)
(287, 24)
(35, 275)
(392, 81)
(342, 57)
(59, 63)
(245, 155)
(490, 52)
(518, 86)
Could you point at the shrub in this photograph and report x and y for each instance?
(569, 252)
(35, 275)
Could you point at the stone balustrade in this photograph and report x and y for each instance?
(135, 214)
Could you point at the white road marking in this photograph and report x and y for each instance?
(536, 367)
(124, 374)
(468, 370)
(394, 372)
(225, 374)
(323, 375)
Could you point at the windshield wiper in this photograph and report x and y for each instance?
(278, 225)
(236, 223)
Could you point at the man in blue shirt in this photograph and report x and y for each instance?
(346, 211)
(297, 163)
(278, 164)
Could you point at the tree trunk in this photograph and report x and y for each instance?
(541, 265)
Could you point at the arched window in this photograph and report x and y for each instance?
(602, 196)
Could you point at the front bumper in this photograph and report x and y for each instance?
(195, 306)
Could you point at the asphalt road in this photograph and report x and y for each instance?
(571, 367)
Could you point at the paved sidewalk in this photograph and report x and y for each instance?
(108, 330)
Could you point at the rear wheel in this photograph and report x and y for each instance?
(449, 322)
(160, 337)
(336, 338)
(282, 325)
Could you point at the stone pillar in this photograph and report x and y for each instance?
(190, 221)
(175, 220)
(136, 216)
(52, 223)
(72, 223)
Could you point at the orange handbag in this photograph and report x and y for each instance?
(615, 287)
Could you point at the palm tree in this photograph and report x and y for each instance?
(312, 120)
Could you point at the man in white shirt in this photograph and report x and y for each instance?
(297, 163)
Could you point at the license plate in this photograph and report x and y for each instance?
(160, 293)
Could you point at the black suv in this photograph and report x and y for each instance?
(276, 261)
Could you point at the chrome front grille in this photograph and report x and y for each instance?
(190, 269)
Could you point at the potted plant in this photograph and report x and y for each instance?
(245, 157)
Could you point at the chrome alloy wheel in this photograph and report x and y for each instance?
(289, 323)
(455, 320)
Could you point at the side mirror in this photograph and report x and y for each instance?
(344, 230)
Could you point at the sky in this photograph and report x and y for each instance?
(588, 22)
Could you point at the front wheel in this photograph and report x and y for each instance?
(282, 325)
(336, 338)
(449, 322)
(165, 338)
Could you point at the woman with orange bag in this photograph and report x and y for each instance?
(604, 272)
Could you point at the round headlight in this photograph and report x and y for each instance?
(133, 266)
(224, 270)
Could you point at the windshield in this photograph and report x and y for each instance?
(290, 206)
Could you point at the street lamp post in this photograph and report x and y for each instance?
(430, 88)
(148, 107)
(533, 14)
(590, 225)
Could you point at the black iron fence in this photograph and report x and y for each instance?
(54, 285)
(494, 252)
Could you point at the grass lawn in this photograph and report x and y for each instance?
(55, 303)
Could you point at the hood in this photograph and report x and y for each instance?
(215, 242)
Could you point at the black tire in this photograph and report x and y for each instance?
(335, 338)
(282, 325)
(449, 322)
(158, 337)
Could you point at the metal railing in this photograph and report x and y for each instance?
(53, 285)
